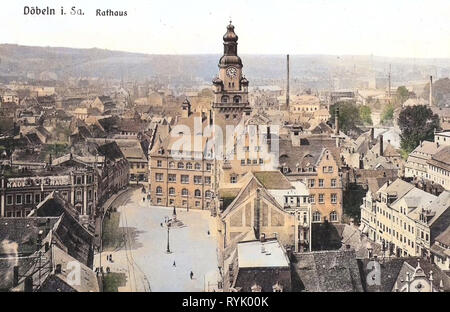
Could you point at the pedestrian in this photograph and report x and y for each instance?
(208, 232)
(174, 265)
(192, 274)
(143, 199)
(110, 257)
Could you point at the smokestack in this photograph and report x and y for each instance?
(389, 84)
(431, 91)
(287, 82)
(381, 145)
(336, 121)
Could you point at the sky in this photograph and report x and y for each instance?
(395, 28)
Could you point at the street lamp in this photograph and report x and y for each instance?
(168, 234)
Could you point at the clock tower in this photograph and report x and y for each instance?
(230, 87)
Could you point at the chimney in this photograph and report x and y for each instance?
(431, 91)
(381, 145)
(389, 84)
(287, 82)
(336, 121)
(29, 284)
(372, 134)
(16, 276)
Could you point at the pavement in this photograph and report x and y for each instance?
(144, 259)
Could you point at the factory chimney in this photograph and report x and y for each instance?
(336, 122)
(431, 91)
(381, 145)
(287, 82)
(389, 83)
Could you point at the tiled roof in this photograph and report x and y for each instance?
(328, 271)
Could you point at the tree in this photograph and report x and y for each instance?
(365, 114)
(417, 123)
(388, 114)
(348, 115)
(401, 95)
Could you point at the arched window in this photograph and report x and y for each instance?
(184, 192)
(208, 194)
(197, 193)
(236, 99)
(333, 216)
(180, 165)
(197, 166)
(225, 99)
(189, 166)
(171, 164)
(172, 191)
(316, 216)
(159, 190)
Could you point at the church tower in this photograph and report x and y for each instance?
(230, 87)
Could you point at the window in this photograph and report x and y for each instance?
(312, 199)
(208, 167)
(207, 180)
(184, 192)
(316, 216)
(208, 194)
(197, 166)
(37, 198)
(28, 199)
(180, 165)
(172, 178)
(171, 165)
(172, 191)
(261, 161)
(9, 199)
(184, 179)
(158, 200)
(311, 182)
(321, 200)
(197, 193)
(236, 99)
(324, 169)
(242, 162)
(233, 179)
(171, 202)
(189, 166)
(320, 182)
(333, 182)
(18, 199)
(330, 169)
(334, 198)
(197, 180)
(159, 163)
(159, 190)
(197, 203)
(333, 216)
(159, 177)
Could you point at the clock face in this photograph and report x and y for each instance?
(231, 72)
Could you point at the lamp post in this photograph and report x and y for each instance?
(168, 235)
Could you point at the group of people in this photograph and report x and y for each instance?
(191, 274)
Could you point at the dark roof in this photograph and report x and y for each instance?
(327, 271)
(444, 237)
(24, 232)
(111, 151)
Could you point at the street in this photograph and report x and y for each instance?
(143, 256)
